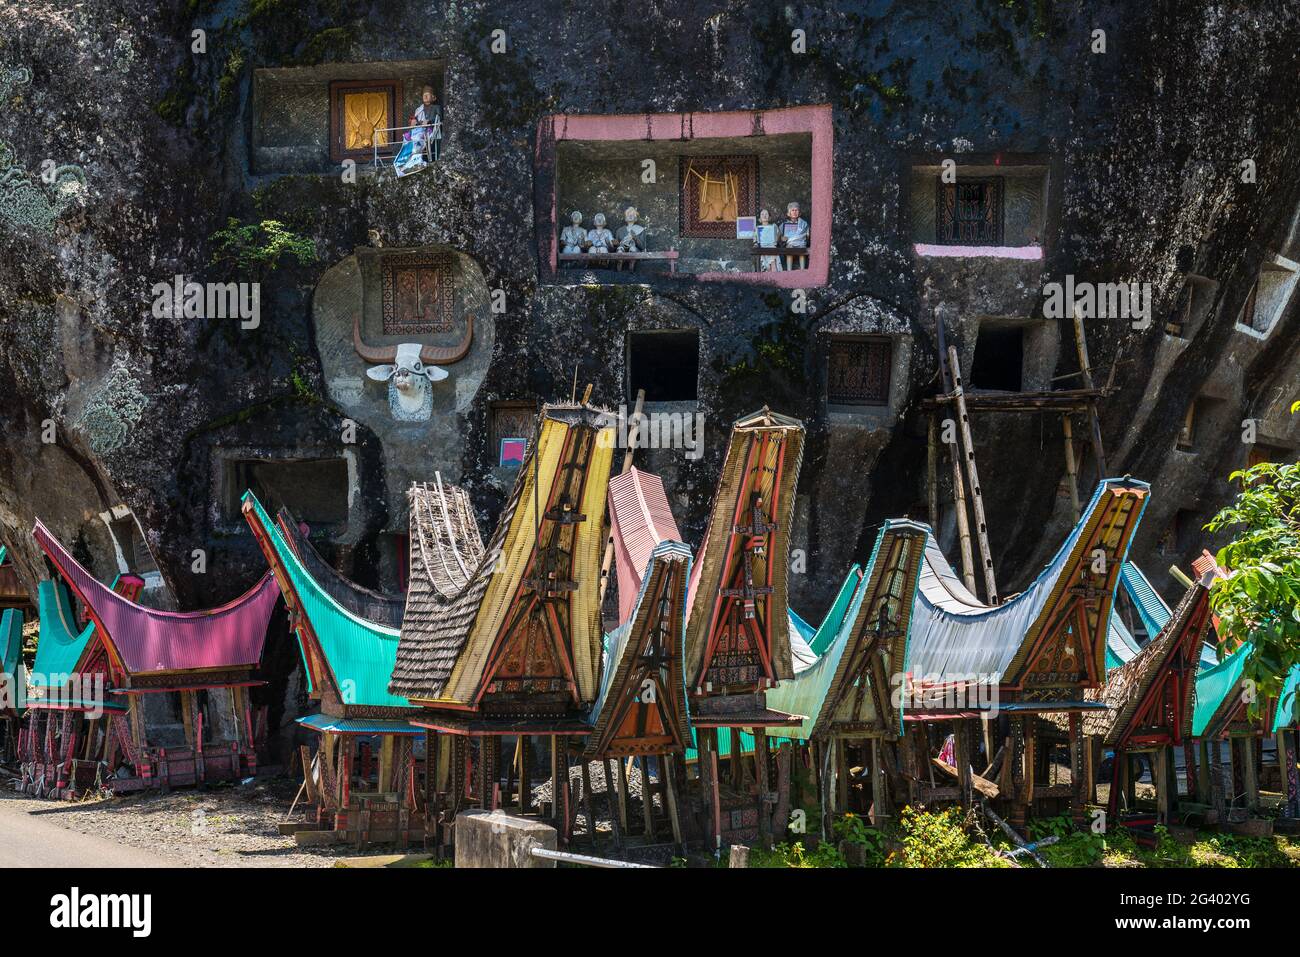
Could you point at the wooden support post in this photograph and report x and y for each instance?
(560, 787)
(960, 756)
(648, 799)
(555, 782)
(1160, 775)
(1203, 794)
(736, 755)
(763, 786)
(1085, 371)
(781, 814)
(715, 799)
(588, 801)
(1071, 468)
(1291, 772)
(621, 769)
(1019, 763)
(1249, 775)
(1189, 768)
(668, 768)
(932, 472)
(611, 799)
(1078, 767)
(881, 807)
(976, 493)
(841, 777)
(525, 774)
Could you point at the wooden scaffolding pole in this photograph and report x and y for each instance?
(958, 486)
(932, 472)
(977, 496)
(1071, 467)
(1085, 372)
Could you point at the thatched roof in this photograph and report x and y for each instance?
(1127, 688)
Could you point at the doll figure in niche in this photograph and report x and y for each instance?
(765, 237)
(599, 239)
(573, 237)
(793, 234)
(631, 238)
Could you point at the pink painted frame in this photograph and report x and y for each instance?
(814, 120)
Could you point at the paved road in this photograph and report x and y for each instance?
(36, 840)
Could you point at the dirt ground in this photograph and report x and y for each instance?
(223, 826)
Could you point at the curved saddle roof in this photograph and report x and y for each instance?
(363, 602)
(11, 660)
(885, 597)
(146, 640)
(351, 656)
(954, 633)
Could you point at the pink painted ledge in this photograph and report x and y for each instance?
(981, 252)
(816, 120)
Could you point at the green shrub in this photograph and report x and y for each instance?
(939, 839)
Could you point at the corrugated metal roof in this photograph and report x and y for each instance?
(1150, 606)
(324, 722)
(953, 633)
(148, 640)
(640, 518)
(359, 653)
(1215, 685)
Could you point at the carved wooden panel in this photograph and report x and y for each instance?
(714, 191)
(969, 212)
(419, 294)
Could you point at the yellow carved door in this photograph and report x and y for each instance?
(365, 116)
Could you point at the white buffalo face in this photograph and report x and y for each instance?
(409, 395)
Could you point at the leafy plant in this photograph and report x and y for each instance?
(1260, 602)
(852, 829)
(938, 839)
(257, 247)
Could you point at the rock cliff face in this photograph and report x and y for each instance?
(128, 141)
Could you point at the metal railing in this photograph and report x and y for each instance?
(395, 142)
(585, 860)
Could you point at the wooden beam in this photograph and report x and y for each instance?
(1085, 370)
(1071, 468)
(976, 493)
(669, 771)
(762, 785)
(932, 472)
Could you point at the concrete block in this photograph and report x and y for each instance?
(498, 839)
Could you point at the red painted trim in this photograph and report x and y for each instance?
(814, 120)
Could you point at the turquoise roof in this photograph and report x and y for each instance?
(1214, 684)
(11, 657)
(60, 644)
(360, 653)
(1151, 607)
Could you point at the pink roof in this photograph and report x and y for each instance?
(148, 640)
(641, 518)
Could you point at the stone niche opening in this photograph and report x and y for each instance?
(1269, 296)
(1191, 307)
(997, 207)
(696, 180)
(1206, 417)
(666, 363)
(998, 364)
(309, 119)
(315, 490)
